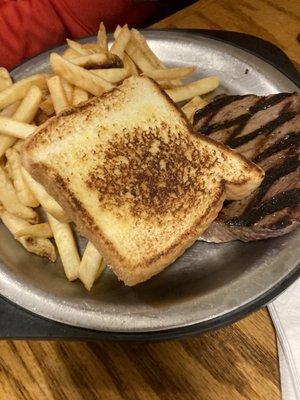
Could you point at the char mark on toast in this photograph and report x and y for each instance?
(267, 131)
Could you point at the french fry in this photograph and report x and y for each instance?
(40, 246)
(40, 118)
(78, 76)
(25, 112)
(91, 266)
(70, 53)
(93, 61)
(170, 73)
(117, 31)
(119, 45)
(46, 201)
(102, 37)
(42, 230)
(139, 40)
(192, 106)
(24, 194)
(113, 75)
(18, 145)
(130, 65)
(29, 105)
(47, 106)
(68, 88)
(79, 96)
(92, 46)
(10, 110)
(10, 200)
(58, 95)
(193, 89)
(5, 79)
(66, 245)
(7, 141)
(18, 90)
(16, 129)
(78, 47)
(138, 57)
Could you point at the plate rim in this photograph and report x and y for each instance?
(219, 320)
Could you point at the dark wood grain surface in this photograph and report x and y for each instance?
(235, 363)
(238, 362)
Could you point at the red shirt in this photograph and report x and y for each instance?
(28, 27)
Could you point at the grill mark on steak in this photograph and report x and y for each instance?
(269, 102)
(268, 132)
(287, 141)
(215, 106)
(261, 103)
(264, 130)
(272, 175)
(282, 200)
(208, 129)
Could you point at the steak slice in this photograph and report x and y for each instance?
(267, 131)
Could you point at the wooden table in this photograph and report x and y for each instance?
(238, 362)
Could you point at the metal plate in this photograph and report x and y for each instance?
(209, 281)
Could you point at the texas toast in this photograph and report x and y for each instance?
(138, 183)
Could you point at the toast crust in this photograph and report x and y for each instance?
(150, 203)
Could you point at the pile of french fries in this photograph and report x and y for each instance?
(82, 71)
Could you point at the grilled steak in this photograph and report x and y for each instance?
(267, 131)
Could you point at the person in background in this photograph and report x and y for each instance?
(27, 27)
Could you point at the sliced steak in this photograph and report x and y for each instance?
(267, 131)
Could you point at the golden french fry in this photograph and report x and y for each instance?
(7, 141)
(170, 73)
(138, 57)
(113, 75)
(19, 89)
(40, 246)
(16, 129)
(78, 47)
(93, 61)
(66, 245)
(40, 118)
(138, 39)
(192, 106)
(42, 230)
(117, 31)
(79, 96)
(121, 41)
(68, 88)
(141, 42)
(91, 266)
(102, 37)
(47, 202)
(25, 112)
(18, 145)
(5, 79)
(58, 95)
(193, 89)
(10, 200)
(29, 105)
(47, 106)
(78, 76)
(70, 53)
(92, 46)
(24, 194)
(10, 110)
(130, 65)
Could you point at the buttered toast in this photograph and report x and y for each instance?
(133, 176)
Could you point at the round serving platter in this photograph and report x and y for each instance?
(211, 284)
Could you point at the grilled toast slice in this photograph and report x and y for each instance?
(137, 181)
